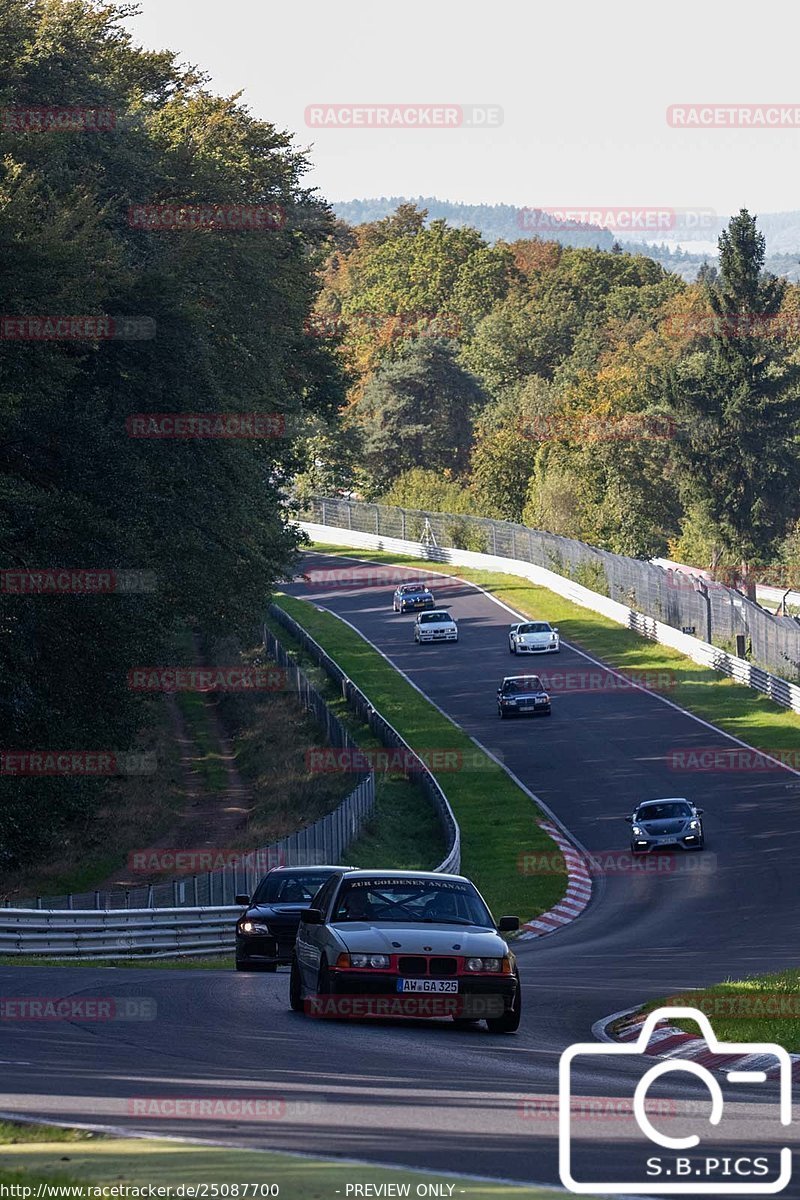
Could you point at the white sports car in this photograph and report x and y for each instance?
(436, 626)
(533, 637)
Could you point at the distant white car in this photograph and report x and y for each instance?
(533, 637)
(436, 626)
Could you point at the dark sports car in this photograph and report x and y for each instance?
(265, 932)
(671, 822)
(411, 597)
(407, 944)
(521, 694)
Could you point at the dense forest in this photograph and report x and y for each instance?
(198, 520)
(587, 392)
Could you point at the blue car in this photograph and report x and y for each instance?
(411, 597)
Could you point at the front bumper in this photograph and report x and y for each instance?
(478, 997)
(264, 948)
(415, 605)
(528, 710)
(522, 648)
(451, 636)
(681, 841)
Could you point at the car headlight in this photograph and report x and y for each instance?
(544, 696)
(253, 927)
(484, 964)
(694, 824)
(637, 832)
(370, 960)
(508, 699)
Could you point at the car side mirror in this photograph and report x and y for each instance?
(508, 924)
(242, 898)
(629, 820)
(500, 691)
(311, 916)
(699, 811)
(555, 629)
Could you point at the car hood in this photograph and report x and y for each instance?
(675, 825)
(534, 639)
(281, 912)
(523, 695)
(361, 937)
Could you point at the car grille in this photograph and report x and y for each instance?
(443, 966)
(407, 965)
(417, 965)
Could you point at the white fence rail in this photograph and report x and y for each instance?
(781, 691)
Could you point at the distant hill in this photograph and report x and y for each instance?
(678, 253)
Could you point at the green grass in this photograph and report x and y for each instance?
(403, 831)
(497, 819)
(739, 1010)
(737, 709)
(142, 1161)
(221, 962)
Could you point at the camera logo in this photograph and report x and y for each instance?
(700, 1173)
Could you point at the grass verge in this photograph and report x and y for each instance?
(763, 1008)
(403, 831)
(28, 1159)
(732, 707)
(497, 819)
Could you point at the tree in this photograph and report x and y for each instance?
(416, 412)
(736, 400)
(203, 517)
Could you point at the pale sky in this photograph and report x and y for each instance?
(584, 89)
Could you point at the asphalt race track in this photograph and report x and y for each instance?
(429, 1095)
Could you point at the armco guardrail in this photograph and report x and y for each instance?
(780, 690)
(98, 934)
(117, 933)
(666, 596)
(387, 734)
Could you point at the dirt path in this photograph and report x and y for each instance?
(206, 820)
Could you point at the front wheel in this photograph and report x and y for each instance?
(509, 1022)
(295, 988)
(501, 714)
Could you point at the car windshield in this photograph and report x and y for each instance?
(411, 589)
(433, 618)
(296, 887)
(450, 902)
(667, 811)
(535, 627)
(527, 683)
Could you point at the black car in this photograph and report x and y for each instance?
(266, 931)
(520, 694)
(409, 597)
